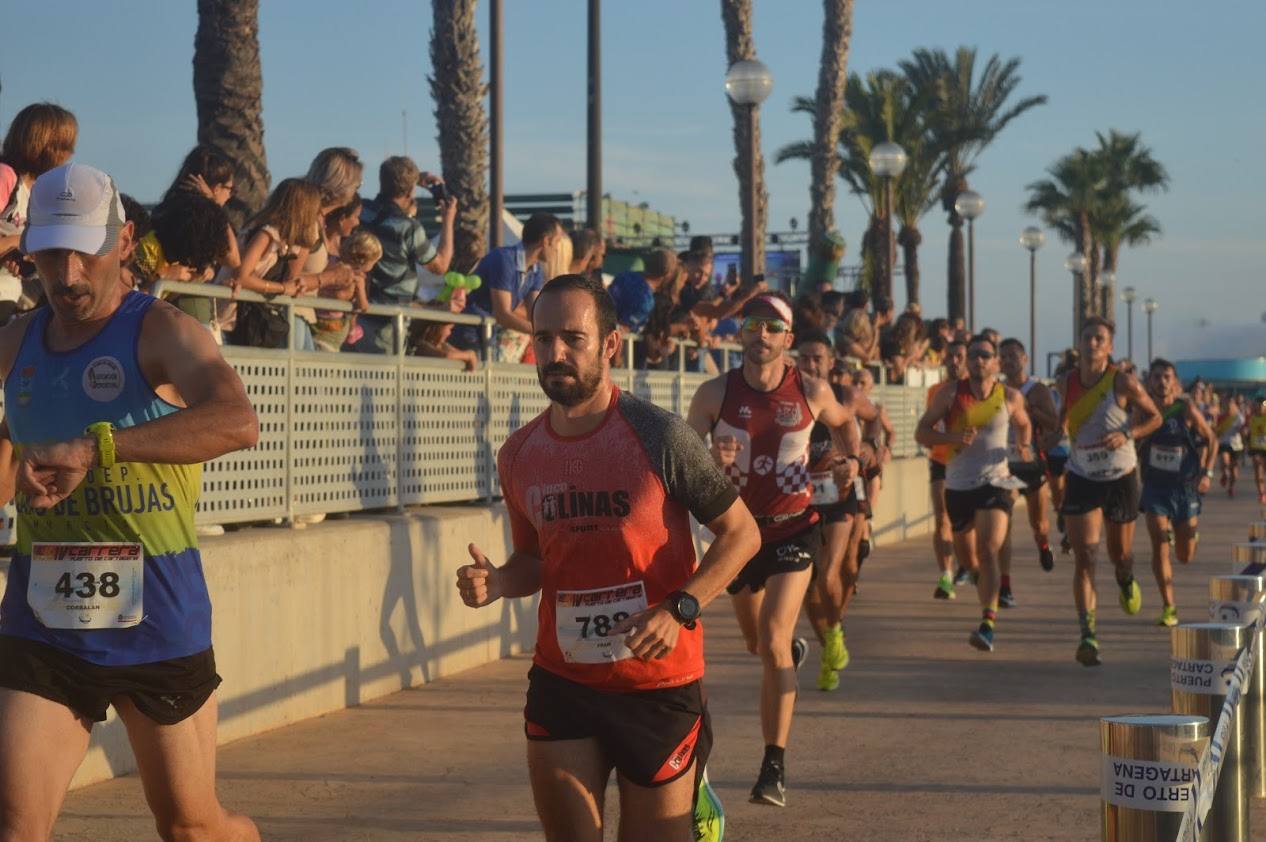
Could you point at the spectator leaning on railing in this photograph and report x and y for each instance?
(512, 277)
(188, 238)
(634, 292)
(405, 246)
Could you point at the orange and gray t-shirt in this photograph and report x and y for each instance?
(608, 514)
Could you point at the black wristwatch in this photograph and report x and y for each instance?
(684, 608)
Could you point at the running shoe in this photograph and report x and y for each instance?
(1046, 558)
(799, 651)
(1065, 546)
(962, 576)
(828, 679)
(1006, 599)
(771, 785)
(1059, 523)
(1131, 597)
(1169, 535)
(982, 638)
(944, 588)
(709, 814)
(1088, 651)
(834, 652)
(1169, 616)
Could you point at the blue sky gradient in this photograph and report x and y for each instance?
(1190, 79)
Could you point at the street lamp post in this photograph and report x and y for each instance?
(1076, 263)
(1149, 307)
(748, 82)
(1127, 295)
(1032, 238)
(1107, 292)
(888, 161)
(970, 205)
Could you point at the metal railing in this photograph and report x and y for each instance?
(346, 431)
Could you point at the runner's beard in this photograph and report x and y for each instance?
(581, 386)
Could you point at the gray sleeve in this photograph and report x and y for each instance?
(680, 458)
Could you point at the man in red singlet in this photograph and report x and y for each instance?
(760, 417)
(942, 535)
(599, 490)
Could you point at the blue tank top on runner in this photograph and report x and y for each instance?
(166, 612)
(1170, 456)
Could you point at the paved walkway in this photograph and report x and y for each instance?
(925, 740)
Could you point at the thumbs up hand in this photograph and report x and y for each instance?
(478, 583)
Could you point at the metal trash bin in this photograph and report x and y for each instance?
(1237, 599)
(1248, 557)
(1149, 766)
(1202, 662)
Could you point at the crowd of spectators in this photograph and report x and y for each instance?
(315, 237)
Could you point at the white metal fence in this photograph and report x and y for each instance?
(343, 432)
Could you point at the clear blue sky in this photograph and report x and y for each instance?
(1191, 79)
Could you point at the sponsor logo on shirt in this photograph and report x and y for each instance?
(103, 379)
(788, 414)
(571, 502)
(745, 411)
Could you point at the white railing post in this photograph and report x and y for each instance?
(400, 352)
(290, 413)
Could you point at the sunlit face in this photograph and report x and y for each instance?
(1013, 361)
(956, 362)
(815, 359)
(1096, 343)
(765, 336)
(349, 223)
(572, 360)
(863, 379)
(221, 193)
(1161, 382)
(80, 286)
(982, 361)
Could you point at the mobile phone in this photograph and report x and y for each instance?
(439, 192)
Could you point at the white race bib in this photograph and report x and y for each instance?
(1236, 442)
(583, 621)
(1094, 455)
(87, 586)
(1165, 458)
(825, 491)
(859, 488)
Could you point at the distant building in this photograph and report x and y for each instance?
(1247, 374)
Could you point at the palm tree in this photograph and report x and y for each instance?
(969, 114)
(749, 165)
(828, 117)
(228, 88)
(458, 90)
(1128, 166)
(1065, 202)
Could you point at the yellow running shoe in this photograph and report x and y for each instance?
(1131, 597)
(709, 819)
(828, 679)
(1169, 616)
(834, 654)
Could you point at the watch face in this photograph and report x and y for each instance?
(688, 607)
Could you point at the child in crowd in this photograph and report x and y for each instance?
(359, 250)
(430, 339)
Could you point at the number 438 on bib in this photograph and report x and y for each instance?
(87, 585)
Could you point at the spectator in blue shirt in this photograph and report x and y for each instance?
(405, 246)
(634, 292)
(512, 276)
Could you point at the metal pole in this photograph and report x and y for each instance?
(593, 198)
(749, 200)
(1129, 331)
(890, 257)
(971, 275)
(495, 123)
(1201, 662)
(1132, 807)
(1149, 338)
(1033, 312)
(1238, 599)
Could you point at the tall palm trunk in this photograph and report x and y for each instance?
(873, 247)
(749, 164)
(828, 117)
(1085, 280)
(909, 238)
(1109, 288)
(458, 90)
(228, 88)
(1096, 284)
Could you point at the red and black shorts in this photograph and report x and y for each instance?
(786, 555)
(167, 692)
(836, 512)
(652, 737)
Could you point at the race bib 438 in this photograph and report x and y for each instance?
(87, 586)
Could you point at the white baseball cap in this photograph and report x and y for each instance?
(74, 207)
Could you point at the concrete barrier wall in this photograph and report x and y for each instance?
(313, 620)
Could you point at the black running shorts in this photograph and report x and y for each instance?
(961, 506)
(936, 471)
(1119, 498)
(652, 736)
(836, 512)
(788, 555)
(165, 691)
(1055, 464)
(1033, 474)
(1226, 448)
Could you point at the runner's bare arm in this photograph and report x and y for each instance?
(937, 411)
(1041, 407)
(1061, 386)
(8, 465)
(1021, 423)
(1149, 418)
(839, 417)
(705, 406)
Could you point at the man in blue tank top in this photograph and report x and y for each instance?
(113, 401)
(1176, 472)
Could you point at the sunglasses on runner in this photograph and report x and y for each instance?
(753, 324)
(981, 355)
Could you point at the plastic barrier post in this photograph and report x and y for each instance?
(1238, 599)
(1149, 769)
(1202, 662)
